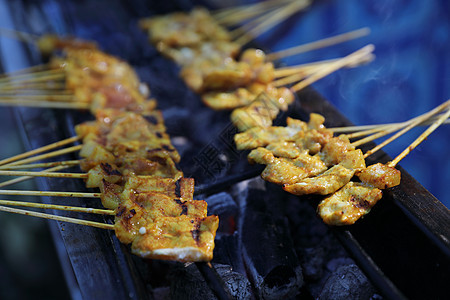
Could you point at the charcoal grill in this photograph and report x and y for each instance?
(402, 246)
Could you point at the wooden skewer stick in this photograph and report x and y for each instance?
(24, 178)
(46, 104)
(48, 91)
(43, 174)
(223, 13)
(56, 76)
(304, 73)
(235, 33)
(367, 127)
(7, 77)
(44, 156)
(57, 218)
(48, 98)
(19, 35)
(376, 130)
(420, 139)
(38, 86)
(347, 60)
(28, 70)
(50, 194)
(59, 207)
(237, 15)
(327, 42)
(41, 149)
(269, 21)
(291, 70)
(406, 127)
(42, 165)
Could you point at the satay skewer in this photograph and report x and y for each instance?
(355, 199)
(42, 156)
(237, 14)
(41, 149)
(42, 165)
(43, 174)
(323, 43)
(24, 178)
(89, 210)
(334, 66)
(268, 22)
(359, 128)
(57, 218)
(50, 194)
(421, 138)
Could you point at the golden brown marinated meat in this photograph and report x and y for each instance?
(182, 29)
(102, 80)
(160, 218)
(334, 150)
(182, 188)
(133, 143)
(48, 43)
(137, 210)
(285, 149)
(260, 137)
(350, 203)
(323, 184)
(260, 113)
(182, 239)
(281, 170)
(331, 180)
(380, 176)
(242, 96)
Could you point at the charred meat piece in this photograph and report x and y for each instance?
(285, 170)
(261, 112)
(182, 239)
(323, 184)
(350, 203)
(331, 180)
(260, 137)
(380, 176)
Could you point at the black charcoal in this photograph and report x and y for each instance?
(271, 262)
(347, 282)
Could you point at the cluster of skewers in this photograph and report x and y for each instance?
(128, 155)
(305, 159)
(214, 64)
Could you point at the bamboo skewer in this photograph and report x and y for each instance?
(326, 42)
(299, 74)
(42, 165)
(269, 21)
(405, 125)
(44, 156)
(367, 127)
(58, 207)
(332, 67)
(50, 194)
(19, 35)
(228, 14)
(421, 138)
(24, 178)
(24, 77)
(43, 174)
(41, 149)
(46, 104)
(240, 14)
(57, 218)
